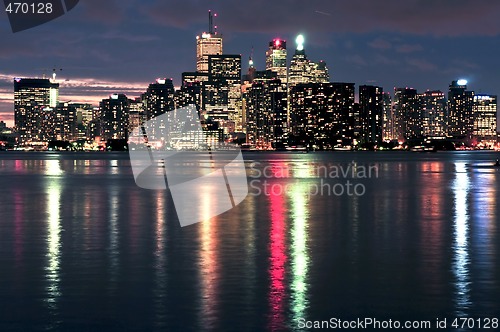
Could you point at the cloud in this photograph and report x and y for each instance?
(409, 48)
(421, 64)
(110, 12)
(356, 59)
(380, 44)
(420, 17)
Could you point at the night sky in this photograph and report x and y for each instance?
(107, 46)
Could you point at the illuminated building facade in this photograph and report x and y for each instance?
(158, 100)
(460, 109)
(35, 101)
(433, 113)
(276, 59)
(114, 117)
(371, 104)
(321, 115)
(266, 114)
(208, 43)
(302, 70)
(222, 92)
(389, 118)
(407, 115)
(485, 119)
(65, 122)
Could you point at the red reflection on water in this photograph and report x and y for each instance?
(278, 260)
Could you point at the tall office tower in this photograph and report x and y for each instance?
(302, 70)
(407, 114)
(485, 119)
(388, 121)
(433, 113)
(371, 113)
(84, 116)
(460, 105)
(137, 113)
(266, 114)
(321, 114)
(209, 43)
(224, 72)
(34, 104)
(114, 117)
(190, 93)
(65, 122)
(158, 100)
(222, 91)
(250, 75)
(276, 59)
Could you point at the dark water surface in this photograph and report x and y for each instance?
(82, 248)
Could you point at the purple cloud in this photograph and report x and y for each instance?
(421, 17)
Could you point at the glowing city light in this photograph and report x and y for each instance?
(462, 82)
(300, 42)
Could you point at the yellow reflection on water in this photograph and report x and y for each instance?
(160, 260)
(52, 269)
(461, 246)
(299, 251)
(209, 263)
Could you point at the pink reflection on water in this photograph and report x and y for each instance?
(278, 258)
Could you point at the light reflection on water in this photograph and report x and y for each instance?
(113, 257)
(299, 253)
(54, 228)
(461, 258)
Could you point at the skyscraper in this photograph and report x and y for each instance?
(35, 101)
(433, 113)
(371, 113)
(407, 114)
(159, 98)
(389, 118)
(303, 70)
(321, 114)
(276, 59)
(460, 104)
(485, 119)
(114, 117)
(266, 114)
(208, 43)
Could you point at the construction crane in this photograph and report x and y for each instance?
(54, 72)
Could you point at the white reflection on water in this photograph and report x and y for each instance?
(53, 265)
(461, 259)
(53, 168)
(299, 252)
(114, 239)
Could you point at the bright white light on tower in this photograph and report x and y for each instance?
(462, 82)
(300, 42)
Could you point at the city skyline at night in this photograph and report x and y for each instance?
(424, 53)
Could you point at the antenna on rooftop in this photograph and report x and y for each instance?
(210, 22)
